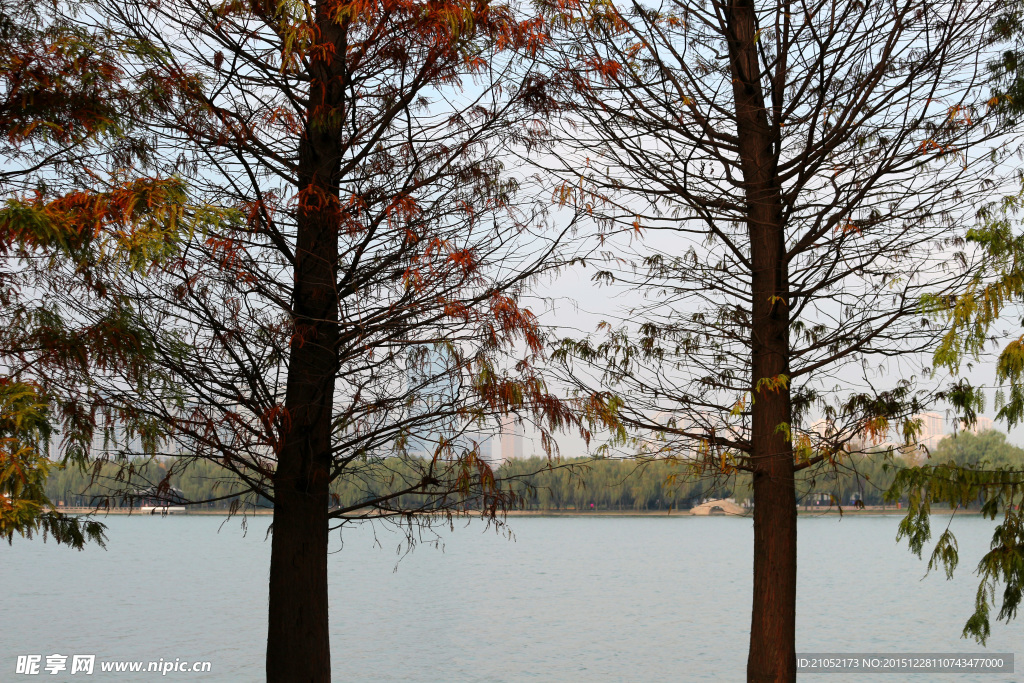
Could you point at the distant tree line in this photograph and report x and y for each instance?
(567, 484)
(664, 484)
(203, 481)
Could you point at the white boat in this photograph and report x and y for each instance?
(162, 509)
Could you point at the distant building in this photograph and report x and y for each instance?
(865, 441)
(982, 424)
(658, 443)
(433, 382)
(488, 447)
(824, 429)
(859, 443)
(664, 441)
(932, 430)
(512, 435)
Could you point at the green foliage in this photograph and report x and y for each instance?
(971, 471)
(971, 313)
(534, 484)
(988, 448)
(24, 470)
(607, 484)
(663, 484)
(74, 215)
(112, 483)
(982, 470)
(1008, 69)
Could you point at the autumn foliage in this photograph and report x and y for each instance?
(292, 240)
(300, 257)
(70, 212)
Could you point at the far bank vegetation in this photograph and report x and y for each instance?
(570, 484)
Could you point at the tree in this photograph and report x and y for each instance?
(356, 315)
(985, 472)
(980, 471)
(66, 117)
(970, 449)
(791, 178)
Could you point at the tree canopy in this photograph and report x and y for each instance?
(283, 241)
(71, 214)
(356, 312)
(785, 182)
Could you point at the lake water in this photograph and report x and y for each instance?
(569, 599)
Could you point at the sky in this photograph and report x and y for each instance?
(571, 304)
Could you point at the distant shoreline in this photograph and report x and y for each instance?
(808, 512)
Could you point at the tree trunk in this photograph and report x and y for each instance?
(772, 655)
(298, 637)
(773, 620)
(298, 644)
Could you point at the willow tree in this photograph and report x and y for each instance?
(971, 314)
(988, 479)
(791, 178)
(354, 316)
